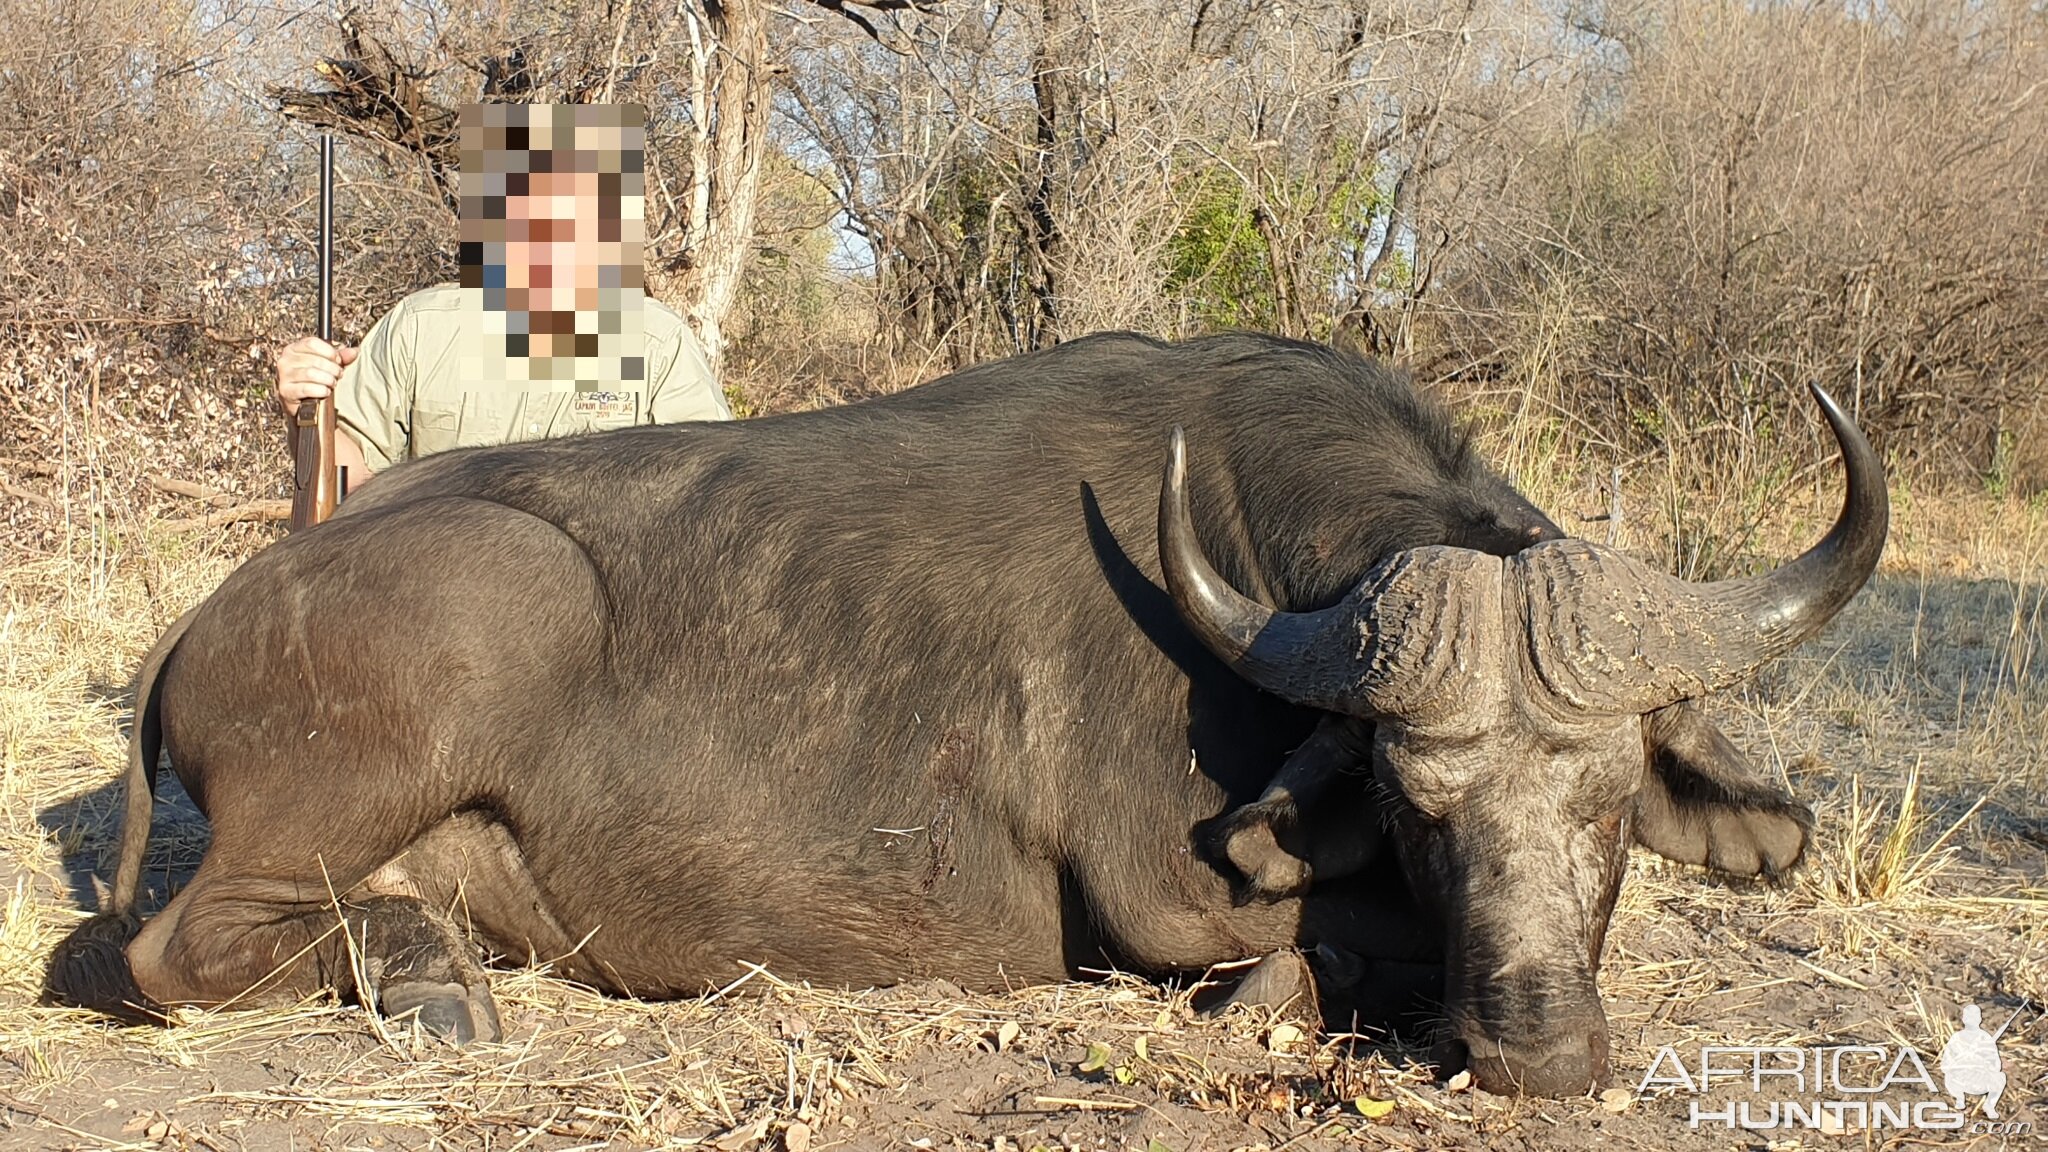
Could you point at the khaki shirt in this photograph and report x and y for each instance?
(404, 395)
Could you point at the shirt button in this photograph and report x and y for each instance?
(533, 429)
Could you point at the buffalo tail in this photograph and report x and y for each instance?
(90, 967)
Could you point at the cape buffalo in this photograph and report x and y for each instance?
(898, 689)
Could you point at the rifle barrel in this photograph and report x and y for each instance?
(2008, 1021)
(327, 237)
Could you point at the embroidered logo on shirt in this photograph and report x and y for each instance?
(606, 405)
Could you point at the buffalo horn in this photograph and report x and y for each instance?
(1612, 635)
(1416, 602)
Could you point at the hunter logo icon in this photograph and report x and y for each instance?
(1970, 1065)
(1840, 1087)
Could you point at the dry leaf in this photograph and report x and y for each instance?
(1007, 1035)
(1458, 1083)
(742, 1136)
(1617, 1099)
(797, 1137)
(1374, 1109)
(1284, 1037)
(1098, 1057)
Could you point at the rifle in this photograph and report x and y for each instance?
(2008, 1021)
(316, 481)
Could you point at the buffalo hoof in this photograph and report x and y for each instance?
(460, 1015)
(1250, 839)
(1280, 981)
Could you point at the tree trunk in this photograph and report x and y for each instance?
(1050, 167)
(730, 95)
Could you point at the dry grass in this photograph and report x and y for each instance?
(1916, 726)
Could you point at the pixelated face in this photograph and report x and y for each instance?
(551, 243)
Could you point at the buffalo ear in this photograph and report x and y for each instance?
(1702, 802)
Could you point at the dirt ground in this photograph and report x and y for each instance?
(1916, 726)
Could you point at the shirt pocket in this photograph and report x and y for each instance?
(465, 421)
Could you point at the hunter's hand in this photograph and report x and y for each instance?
(308, 369)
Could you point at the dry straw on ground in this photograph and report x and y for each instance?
(1916, 726)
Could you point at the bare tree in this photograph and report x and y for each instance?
(1027, 174)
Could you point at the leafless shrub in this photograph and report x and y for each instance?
(1748, 198)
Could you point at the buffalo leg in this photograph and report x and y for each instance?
(1351, 936)
(1280, 981)
(423, 964)
(1342, 990)
(220, 942)
(1339, 986)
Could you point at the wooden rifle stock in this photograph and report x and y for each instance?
(316, 481)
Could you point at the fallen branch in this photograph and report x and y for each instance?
(34, 1111)
(24, 494)
(1071, 1104)
(187, 488)
(254, 510)
(32, 467)
(128, 321)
